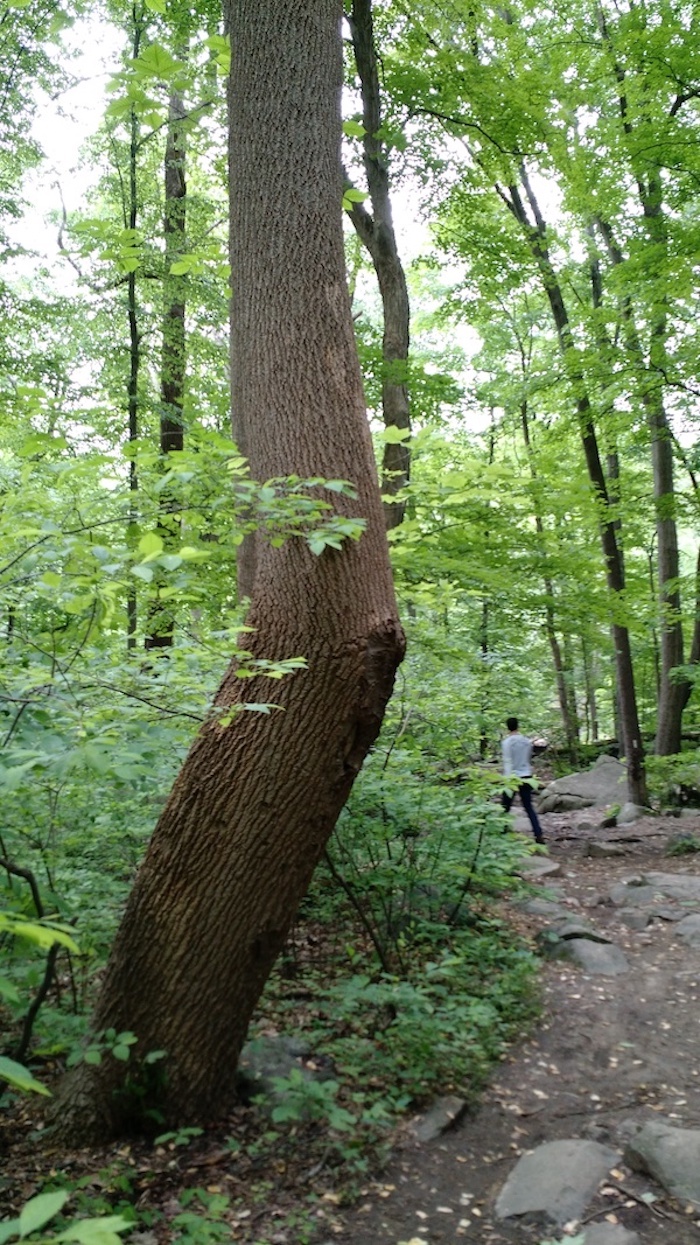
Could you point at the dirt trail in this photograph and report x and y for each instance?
(610, 1050)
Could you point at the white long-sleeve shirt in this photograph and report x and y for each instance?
(517, 756)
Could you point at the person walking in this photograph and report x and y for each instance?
(517, 763)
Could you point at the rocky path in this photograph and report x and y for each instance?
(591, 1129)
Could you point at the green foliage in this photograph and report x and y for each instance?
(307, 1100)
(19, 1077)
(683, 846)
(674, 781)
(200, 1227)
(40, 1210)
(181, 1137)
(109, 1042)
(426, 984)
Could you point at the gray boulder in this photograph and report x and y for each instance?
(670, 1155)
(684, 886)
(555, 1182)
(689, 930)
(596, 958)
(265, 1059)
(605, 851)
(604, 783)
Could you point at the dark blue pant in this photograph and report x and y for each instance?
(525, 793)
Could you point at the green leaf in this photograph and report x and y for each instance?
(8, 1229)
(42, 933)
(353, 196)
(393, 435)
(121, 1053)
(156, 62)
(150, 545)
(39, 1210)
(99, 1231)
(93, 1056)
(353, 129)
(20, 1077)
(190, 554)
(143, 572)
(8, 991)
(156, 6)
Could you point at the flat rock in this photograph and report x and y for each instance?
(596, 957)
(684, 886)
(610, 1234)
(571, 928)
(604, 783)
(538, 867)
(443, 1114)
(639, 918)
(670, 1155)
(634, 894)
(555, 1182)
(689, 930)
(542, 907)
(634, 918)
(601, 850)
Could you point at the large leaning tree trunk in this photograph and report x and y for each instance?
(251, 811)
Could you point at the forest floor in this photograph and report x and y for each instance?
(608, 1052)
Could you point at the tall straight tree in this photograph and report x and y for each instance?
(161, 631)
(376, 230)
(255, 802)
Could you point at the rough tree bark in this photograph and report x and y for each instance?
(255, 802)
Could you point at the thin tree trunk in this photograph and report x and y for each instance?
(134, 345)
(378, 234)
(567, 705)
(592, 730)
(484, 632)
(256, 801)
(173, 355)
